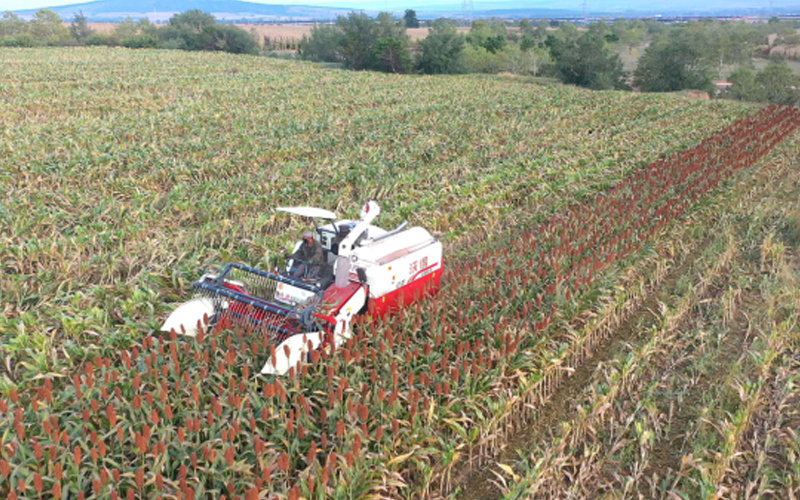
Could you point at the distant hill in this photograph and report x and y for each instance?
(236, 10)
(223, 10)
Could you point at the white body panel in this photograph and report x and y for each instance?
(397, 260)
(350, 308)
(319, 213)
(298, 346)
(186, 316)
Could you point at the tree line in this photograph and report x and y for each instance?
(670, 56)
(190, 30)
(677, 56)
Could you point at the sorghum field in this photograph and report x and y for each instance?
(618, 318)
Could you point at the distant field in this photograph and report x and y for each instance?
(293, 31)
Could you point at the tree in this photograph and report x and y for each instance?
(12, 25)
(48, 28)
(143, 41)
(391, 55)
(360, 42)
(599, 28)
(528, 42)
(146, 27)
(194, 20)
(389, 27)
(498, 26)
(629, 33)
(495, 44)
(480, 60)
(442, 49)
(322, 45)
(525, 62)
(566, 31)
(359, 34)
(79, 28)
(655, 27)
(143, 34)
(587, 61)
(725, 43)
(740, 41)
(491, 35)
(390, 50)
(479, 31)
(190, 30)
(98, 39)
(410, 19)
(541, 29)
(675, 61)
(533, 35)
(778, 84)
(229, 38)
(125, 29)
(744, 85)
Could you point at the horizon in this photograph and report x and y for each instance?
(687, 6)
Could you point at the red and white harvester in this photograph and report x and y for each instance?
(367, 270)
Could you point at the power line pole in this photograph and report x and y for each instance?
(466, 9)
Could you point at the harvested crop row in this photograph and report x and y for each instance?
(587, 445)
(726, 449)
(680, 426)
(624, 311)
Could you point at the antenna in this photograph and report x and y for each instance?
(585, 10)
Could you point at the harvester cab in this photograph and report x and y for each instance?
(366, 270)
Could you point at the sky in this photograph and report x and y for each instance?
(37, 4)
(31, 4)
(357, 4)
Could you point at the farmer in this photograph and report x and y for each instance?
(310, 257)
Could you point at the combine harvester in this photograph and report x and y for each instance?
(367, 269)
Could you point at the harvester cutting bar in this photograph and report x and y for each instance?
(247, 296)
(258, 282)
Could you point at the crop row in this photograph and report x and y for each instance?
(393, 406)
